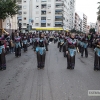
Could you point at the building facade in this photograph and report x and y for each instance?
(46, 13)
(98, 27)
(81, 22)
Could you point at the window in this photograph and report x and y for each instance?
(43, 18)
(20, 13)
(24, 24)
(24, 7)
(48, 24)
(24, 18)
(24, 1)
(37, 7)
(49, 12)
(36, 24)
(24, 12)
(49, 5)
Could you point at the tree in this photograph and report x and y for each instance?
(92, 30)
(8, 8)
(73, 31)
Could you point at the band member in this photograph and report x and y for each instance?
(35, 43)
(24, 42)
(97, 55)
(17, 45)
(41, 52)
(71, 51)
(59, 37)
(84, 46)
(46, 44)
(2, 51)
(61, 43)
(65, 42)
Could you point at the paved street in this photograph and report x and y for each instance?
(22, 80)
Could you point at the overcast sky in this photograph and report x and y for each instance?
(88, 7)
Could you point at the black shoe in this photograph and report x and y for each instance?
(81, 55)
(4, 68)
(95, 69)
(86, 56)
(0, 68)
(68, 67)
(72, 67)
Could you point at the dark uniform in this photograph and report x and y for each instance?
(17, 46)
(25, 42)
(84, 46)
(2, 53)
(97, 55)
(41, 53)
(71, 48)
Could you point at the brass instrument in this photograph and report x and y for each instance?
(2, 31)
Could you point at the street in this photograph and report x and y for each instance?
(23, 81)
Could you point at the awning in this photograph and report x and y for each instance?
(49, 28)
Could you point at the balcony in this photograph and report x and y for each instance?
(59, 7)
(59, 1)
(58, 12)
(43, 24)
(43, 6)
(43, 0)
(58, 25)
(58, 18)
(43, 21)
(43, 12)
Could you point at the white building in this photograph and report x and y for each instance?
(83, 18)
(47, 13)
(98, 27)
(92, 25)
(10, 24)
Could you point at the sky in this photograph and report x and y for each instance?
(89, 8)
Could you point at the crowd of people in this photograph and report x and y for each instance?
(72, 43)
(68, 43)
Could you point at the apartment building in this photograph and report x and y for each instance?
(98, 27)
(46, 13)
(78, 23)
(83, 20)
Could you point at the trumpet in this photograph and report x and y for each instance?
(2, 31)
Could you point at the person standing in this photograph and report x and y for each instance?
(24, 42)
(12, 46)
(41, 51)
(71, 51)
(2, 51)
(17, 45)
(97, 55)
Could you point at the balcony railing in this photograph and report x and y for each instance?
(43, 21)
